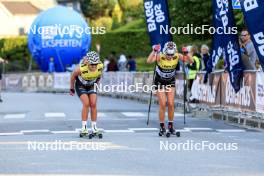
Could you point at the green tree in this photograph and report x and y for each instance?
(94, 9)
(196, 12)
(128, 4)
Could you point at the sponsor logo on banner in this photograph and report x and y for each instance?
(13, 82)
(241, 98)
(207, 93)
(33, 82)
(157, 17)
(25, 82)
(260, 92)
(245, 98)
(41, 81)
(62, 80)
(236, 4)
(49, 81)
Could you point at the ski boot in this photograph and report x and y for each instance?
(162, 131)
(83, 132)
(172, 131)
(95, 133)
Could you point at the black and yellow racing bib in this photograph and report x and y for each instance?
(87, 77)
(165, 68)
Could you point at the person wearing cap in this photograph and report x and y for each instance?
(83, 80)
(164, 80)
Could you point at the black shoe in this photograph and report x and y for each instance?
(1, 100)
(162, 131)
(171, 128)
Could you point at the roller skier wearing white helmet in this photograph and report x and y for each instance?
(83, 81)
(164, 81)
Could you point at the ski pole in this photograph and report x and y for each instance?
(151, 93)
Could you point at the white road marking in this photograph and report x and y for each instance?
(64, 132)
(118, 131)
(199, 129)
(35, 131)
(134, 114)
(143, 129)
(55, 114)
(61, 175)
(11, 134)
(183, 130)
(230, 130)
(14, 116)
(101, 114)
(89, 129)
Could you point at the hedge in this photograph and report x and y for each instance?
(133, 42)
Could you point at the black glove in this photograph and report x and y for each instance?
(72, 92)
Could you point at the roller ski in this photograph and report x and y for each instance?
(162, 131)
(172, 131)
(95, 133)
(84, 132)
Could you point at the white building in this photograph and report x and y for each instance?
(72, 4)
(16, 16)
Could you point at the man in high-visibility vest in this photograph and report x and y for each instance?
(195, 66)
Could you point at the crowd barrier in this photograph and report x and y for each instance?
(217, 92)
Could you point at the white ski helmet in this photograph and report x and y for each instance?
(170, 48)
(93, 57)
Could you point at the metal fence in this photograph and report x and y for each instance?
(216, 95)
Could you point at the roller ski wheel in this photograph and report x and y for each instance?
(176, 133)
(90, 136)
(168, 134)
(172, 131)
(96, 134)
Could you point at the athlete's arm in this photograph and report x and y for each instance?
(185, 58)
(75, 73)
(154, 55)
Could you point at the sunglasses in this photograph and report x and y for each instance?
(94, 65)
(170, 55)
(244, 35)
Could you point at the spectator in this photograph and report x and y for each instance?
(195, 66)
(205, 56)
(131, 64)
(250, 51)
(122, 62)
(2, 62)
(51, 65)
(106, 62)
(112, 66)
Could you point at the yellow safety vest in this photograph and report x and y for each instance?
(192, 73)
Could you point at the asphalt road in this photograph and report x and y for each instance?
(39, 136)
